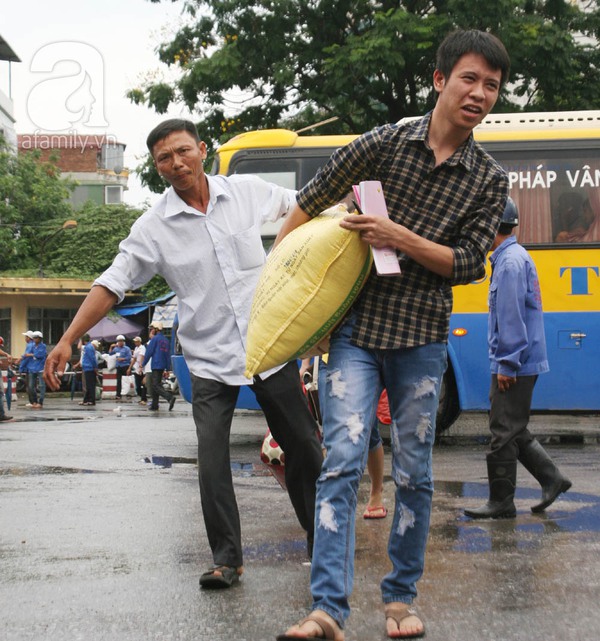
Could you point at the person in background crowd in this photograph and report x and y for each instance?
(24, 361)
(36, 359)
(89, 367)
(123, 354)
(517, 352)
(445, 196)
(137, 367)
(4, 356)
(159, 351)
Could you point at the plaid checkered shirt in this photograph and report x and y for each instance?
(458, 204)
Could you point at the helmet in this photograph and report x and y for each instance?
(120, 337)
(510, 217)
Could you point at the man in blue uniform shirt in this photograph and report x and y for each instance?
(517, 350)
(123, 354)
(158, 351)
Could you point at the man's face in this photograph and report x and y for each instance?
(469, 93)
(178, 159)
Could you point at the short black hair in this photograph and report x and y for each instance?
(505, 230)
(167, 127)
(461, 42)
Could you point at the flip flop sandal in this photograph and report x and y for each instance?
(227, 577)
(331, 631)
(375, 512)
(400, 611)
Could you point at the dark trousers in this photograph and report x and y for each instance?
(509, 417)
(140, 388)
(157, 388)
(121, 371)
(292, 426)
(90, 386)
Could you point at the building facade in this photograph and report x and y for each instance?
(94, 162)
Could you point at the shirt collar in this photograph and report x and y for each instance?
(511, 240)
(174, 204)
(465, 154)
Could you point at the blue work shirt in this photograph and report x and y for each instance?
(158, 349)
(123, 355)
(88, 358)
(25, 360)
(36, 364)
(516, 339)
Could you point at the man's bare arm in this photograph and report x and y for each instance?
(296, 218)
(96, 305)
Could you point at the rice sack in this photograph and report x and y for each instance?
(307, 285)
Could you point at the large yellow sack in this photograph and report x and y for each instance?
(307, 285)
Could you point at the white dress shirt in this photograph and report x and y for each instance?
(138, 358)
(211, 261)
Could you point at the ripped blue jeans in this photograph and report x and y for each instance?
(355, 380)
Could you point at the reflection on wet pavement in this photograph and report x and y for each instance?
(572, 512)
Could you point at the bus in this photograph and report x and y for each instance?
(553, 163)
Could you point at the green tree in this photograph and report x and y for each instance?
(85, 252)
(33, 204)
(366, 62)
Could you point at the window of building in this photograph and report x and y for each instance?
(51, 322)
(111, 157)
(113, 195)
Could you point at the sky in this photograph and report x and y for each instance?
(78, 60)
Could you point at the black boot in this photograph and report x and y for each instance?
(502, 477)
(536, 461)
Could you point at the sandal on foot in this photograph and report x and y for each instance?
(329, 628)
(375, 512)
(398, 612)
(225, 578)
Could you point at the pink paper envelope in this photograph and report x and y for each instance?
(369, 193)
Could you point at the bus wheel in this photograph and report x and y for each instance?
(449, 408)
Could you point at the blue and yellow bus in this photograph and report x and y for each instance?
(553, 163)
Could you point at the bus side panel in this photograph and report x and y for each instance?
(470, 360)
(573, 344)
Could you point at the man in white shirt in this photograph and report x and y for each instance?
(203, 237)
(137, 367)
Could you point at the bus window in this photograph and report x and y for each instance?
(556, 191)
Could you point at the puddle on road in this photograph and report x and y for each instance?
(45, 470)
(238, 469)
(44, 419)
(572, 512)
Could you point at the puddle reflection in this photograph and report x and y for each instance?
(572, 512)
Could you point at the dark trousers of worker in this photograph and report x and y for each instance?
(140, 388)
(292, 426)
(89, 377)
(157, 388)
(509, 417)
(121, 371)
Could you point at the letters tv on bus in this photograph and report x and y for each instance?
(553, 163)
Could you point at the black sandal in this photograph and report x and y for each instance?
(225, 579)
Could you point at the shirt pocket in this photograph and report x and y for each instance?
(248, 248)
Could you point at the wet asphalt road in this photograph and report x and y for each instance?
(97, 542)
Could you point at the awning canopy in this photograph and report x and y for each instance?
(166, 313)
(137, 308)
